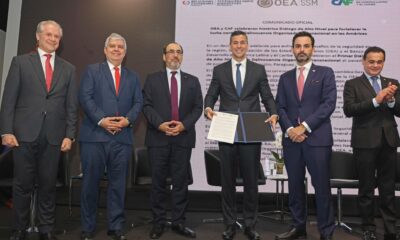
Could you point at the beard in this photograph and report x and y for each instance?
(302, 58)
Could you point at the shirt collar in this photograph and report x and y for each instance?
(42, 52)
(170, 70)
(111, 66)
(243, 62)
(369, 76)
(306, 66)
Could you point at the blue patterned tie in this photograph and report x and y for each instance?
(238, 80)
(375, 84)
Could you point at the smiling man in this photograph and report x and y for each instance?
(373, 102)
(239, 83)
(306, 99)
(173, 103)
(38, 120)
(111, 99)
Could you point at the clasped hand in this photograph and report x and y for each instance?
(114, 125)
(172, 128)
(297, 134)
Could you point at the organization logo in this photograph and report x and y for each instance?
(184, 2)
(287, 3)
(265, 3)
(340, 2)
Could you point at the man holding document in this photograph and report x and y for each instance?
(239, 83)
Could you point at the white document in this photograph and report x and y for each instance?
(223, 127)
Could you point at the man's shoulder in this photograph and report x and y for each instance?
(188, 75)
(321, 68)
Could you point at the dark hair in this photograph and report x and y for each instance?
(374, 49)
(237, 33)
(164, 50)
(303, 34)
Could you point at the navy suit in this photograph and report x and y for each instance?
(102, 150)
(170, 155)
(315, 108)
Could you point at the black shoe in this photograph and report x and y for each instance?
(157, 231)
(87, 236)
(47, 236)
(182, 230)
(116, 235)
(292, 234)
(18, 235)
(229, 232)
(369, 235)
(326, 237)
(251, 234)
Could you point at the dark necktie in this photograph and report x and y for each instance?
(117, 79)
(174, 97)
(375, 84)
(49, 72)
(300, 82)
(238, 80)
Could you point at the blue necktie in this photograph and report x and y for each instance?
(238, 80)
(375, 84)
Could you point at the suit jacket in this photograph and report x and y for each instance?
(98, 99)
(370, 123)
(315, 108)
(255, 85)
(157, 108)
(27, 106)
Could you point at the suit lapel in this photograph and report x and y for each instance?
(123, 80)
(311, 77)
(165, 87)
(247, 77)
(58, 67)
(184, 89)
(228, 73)
(367, 84)
(37, 66)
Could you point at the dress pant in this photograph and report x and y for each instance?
(169, 161)
(298, 157)
(246, 156)
(377, 167)
(35, 163)
(96, 158)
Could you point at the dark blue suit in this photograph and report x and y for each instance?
(315, 108)
(101, 150)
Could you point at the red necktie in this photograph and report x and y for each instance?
(49, 72)
(117, 79)
(174, 97)
(300, 82)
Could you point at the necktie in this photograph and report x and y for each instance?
(238, 80)
(174, 97)
(49, 72)
(117, 79)
(375, 84)
(300, 82)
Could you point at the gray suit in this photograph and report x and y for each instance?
(40, 120)
(247, 154)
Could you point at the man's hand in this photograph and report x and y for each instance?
(209, 113)
(111, 124)
(66, 145)
(297, 134)
(386, 94)
(172, 128)
(273, 120)
(9, 140)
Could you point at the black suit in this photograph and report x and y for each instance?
(170, 155)
(374, 140)
(247, 155)
(40, 120)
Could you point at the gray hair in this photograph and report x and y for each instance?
(117, 37)
(40, 26)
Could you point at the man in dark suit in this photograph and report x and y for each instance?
(111, 98)
(239, 95)
(306, 99)
(372, 101)
(38, 119)
(173, 103)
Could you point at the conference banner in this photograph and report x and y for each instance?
(342, 29)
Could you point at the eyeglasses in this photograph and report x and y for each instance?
(179, 52)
